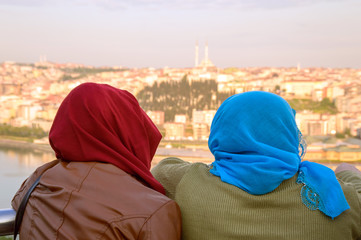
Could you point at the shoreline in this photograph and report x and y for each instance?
(191, 155)
(24, 145)
(187, 154)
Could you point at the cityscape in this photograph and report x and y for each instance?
(181, 60)
(30, 94)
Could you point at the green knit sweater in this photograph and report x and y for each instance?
(212, 209)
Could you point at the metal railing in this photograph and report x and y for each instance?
(7, 218)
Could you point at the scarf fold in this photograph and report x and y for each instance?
(257, 145)
(97, 122)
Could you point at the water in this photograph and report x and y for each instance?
(16, 165)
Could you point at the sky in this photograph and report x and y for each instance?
(163, 33)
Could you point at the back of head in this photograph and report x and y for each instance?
(97, 122)
(255, 122)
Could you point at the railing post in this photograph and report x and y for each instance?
(7, 218)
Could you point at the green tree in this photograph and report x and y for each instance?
(324, 106)
(7, 130)
(181, 97)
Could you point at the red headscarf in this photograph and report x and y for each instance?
(97, 122)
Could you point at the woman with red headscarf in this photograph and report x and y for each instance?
(100, 186)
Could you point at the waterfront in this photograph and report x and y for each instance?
(18, 161)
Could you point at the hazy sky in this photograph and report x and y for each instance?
(159, 33)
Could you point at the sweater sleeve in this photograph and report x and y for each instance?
(352, 177)
(169, 173)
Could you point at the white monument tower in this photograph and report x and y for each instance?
(205, 63)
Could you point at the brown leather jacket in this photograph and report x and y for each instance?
(93, 200)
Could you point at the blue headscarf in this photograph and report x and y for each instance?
(257, 145)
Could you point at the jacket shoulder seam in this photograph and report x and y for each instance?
(157, 210)
(119, 219)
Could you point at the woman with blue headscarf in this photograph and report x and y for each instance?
(258, 187)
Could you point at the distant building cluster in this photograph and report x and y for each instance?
(30, 94)
(182, 128)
